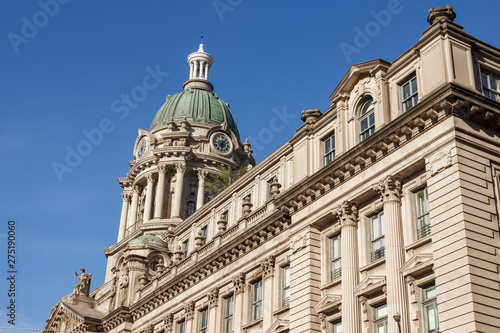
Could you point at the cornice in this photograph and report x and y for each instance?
(449, 99)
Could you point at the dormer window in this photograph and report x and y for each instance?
(366, 119)
(409, 93)
(491, 85)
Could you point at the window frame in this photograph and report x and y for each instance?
(328, 156)
(367, 104)
(203, 320)
(204, 233)
(256, 300)
(334, 259)
(181, 326)
(413, 96)
(487, 90)
(228, 314)
(377, 253)
(285, 285)
(430, 302)
(334, 326)
(191, 208)
(380, 320)
(185, 248)
(422, 214)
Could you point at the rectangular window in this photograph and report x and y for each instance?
(203, 321)
(429, 304)
(377, 236)
(335, 255)
(226, 216)
(491, 85)
(409, 93)
(336, 327)
(181, 327)
(328, 149)
(422, 213)
(227, 322)
(269, 182)
(256, 308)
(204, 233)
(380, 319)
(185, 245)
(285, 286)
(191, 208)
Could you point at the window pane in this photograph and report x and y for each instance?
(381, 311)
(406, 91)
(431, 318)
(414, 85)
(493, 83)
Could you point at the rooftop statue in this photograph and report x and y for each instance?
(83, 287)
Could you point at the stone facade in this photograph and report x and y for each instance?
(379, 213)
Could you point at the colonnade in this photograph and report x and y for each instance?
(154, 210)
(389, 189)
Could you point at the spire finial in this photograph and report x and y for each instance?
(199, 63)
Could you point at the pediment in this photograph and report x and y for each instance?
(280, 325)
(418, 265)
(70, 317)
(328, 303)
(370, 285)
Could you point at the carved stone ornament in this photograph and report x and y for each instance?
(440, 162)
(239, 283)
(168, 321)
(151, 177)
(150, 329)
(298, 243)
(162, 168)
(347, 213)
(126, 197)
(267, 266)
(189, 310)
(137, 189)
(83, 287)
(213, 296)
(180, 167)
(364, 308)
(275, 187)
(202, 174)
(389, 189)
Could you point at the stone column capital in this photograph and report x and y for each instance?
(213, 296)
(168, 321)
(162, 168)
(267, 266)
(347, 213)
(180, 167)
(126, 197)
(151, 177)
(239, 283)
(189, 310)
(137, 189)
(389, 189)
(202, 174)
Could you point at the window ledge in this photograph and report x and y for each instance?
(420, 242)
(253, 323)
(373, 264)
(281, 310)
(331, 283)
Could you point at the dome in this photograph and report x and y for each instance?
(148, 242)
(199, 107)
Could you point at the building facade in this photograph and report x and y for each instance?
(379, 215)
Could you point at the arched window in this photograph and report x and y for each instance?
(366, 119)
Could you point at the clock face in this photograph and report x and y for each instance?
(142, 148)
(222, 143)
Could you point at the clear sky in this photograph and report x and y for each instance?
(67, 65)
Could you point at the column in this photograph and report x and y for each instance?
(390, 190)
(206, 71)
(348, 216)
(238, 315)
(189, 312)
(200, 200)
(213, 297)
(149, 197)
(267, 293)
(160, 191)
(179, 186)
(133, 208)
(123, 218)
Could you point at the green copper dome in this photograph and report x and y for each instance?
(200, 107)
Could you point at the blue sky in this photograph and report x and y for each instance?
(63, 68)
